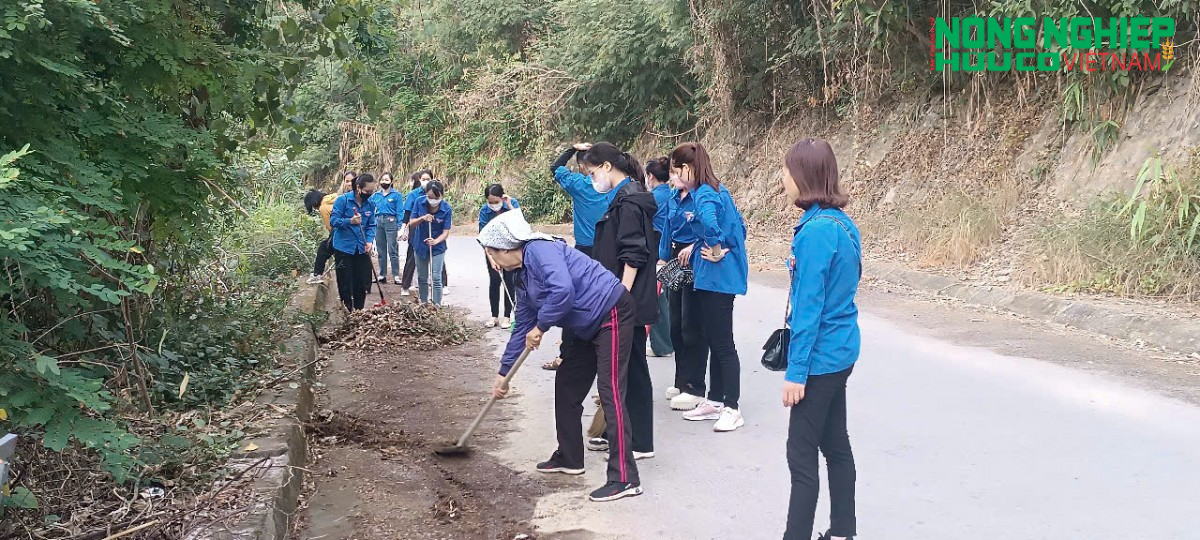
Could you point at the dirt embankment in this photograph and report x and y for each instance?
(381, 412)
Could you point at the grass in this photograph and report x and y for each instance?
(1141, 244)
(959, 227)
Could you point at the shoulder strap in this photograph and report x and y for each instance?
(792, 269)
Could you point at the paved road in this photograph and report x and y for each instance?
(952, 441)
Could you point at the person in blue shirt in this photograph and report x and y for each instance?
(560, 286)
(826, 268)
(353, 224)
(420, 179)
(690, 353)
(587, 206)
(388, 209)
(497, 202)
(721, 271)
(658, 180)
(430, 225)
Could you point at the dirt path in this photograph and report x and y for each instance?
(375, 477)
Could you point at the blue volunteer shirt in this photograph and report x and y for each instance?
(662, 197)
(442, 221)
(390, 204)
(824, 318)
(680, 213)
(486, 214)
(410, 200)
(587, 204)
(719, 223)
(347, 237)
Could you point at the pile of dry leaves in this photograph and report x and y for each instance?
(402, 324)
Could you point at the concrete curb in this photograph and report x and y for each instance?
(282, 451)
(1172, 334)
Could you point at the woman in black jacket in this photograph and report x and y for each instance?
(626, 243)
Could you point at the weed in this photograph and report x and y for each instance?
(960, 226)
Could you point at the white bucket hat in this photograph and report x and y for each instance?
(509, 231)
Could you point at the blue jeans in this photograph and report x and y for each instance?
(387, 246)
(423, 267)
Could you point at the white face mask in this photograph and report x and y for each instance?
(495, 206)
(435, 202)
(601, 185)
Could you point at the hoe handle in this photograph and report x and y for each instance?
(462, 441)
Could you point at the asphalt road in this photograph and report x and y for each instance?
(952, 440)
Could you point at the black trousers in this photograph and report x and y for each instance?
(410, 268)
(691, 355)
(716, 325)
(818, 423)
(640, 397)
(324, 252)
(607, 364)
(495, 281)
(353, 278)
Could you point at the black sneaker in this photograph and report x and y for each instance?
(553, 466)
(597, 444)
(615, 490)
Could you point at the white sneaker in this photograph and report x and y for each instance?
(445, 290)
(685, 402)
(730, 420)
(315, 280)
(403, 292)
(505, 323)
(672, 392)
(396, 281)
(491, 323)
(597, 444)
(637, 456)
(706, 411)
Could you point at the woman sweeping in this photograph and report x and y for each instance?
(430, 222)
(560, 286)
(353, 222)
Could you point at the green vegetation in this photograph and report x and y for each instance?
(1140, 244)
(154, 153)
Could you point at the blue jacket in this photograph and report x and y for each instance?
(824, 319)
(349, 238)
(486, 213)
(410, 200)
(443, 219)
(587, 204)
(680, 212)
(718, 222)
(388, 205)
(662, 197)
(559, 286)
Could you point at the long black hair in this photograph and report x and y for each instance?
(494, 190)
(659, 168)
(602, 152)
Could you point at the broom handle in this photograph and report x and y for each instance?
(492, 400)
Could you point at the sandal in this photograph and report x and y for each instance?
(552, 365)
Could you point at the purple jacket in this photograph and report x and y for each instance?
(559, 286)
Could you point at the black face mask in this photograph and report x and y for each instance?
(385, 186)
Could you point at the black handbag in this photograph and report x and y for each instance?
(775, 352)
(675, 276)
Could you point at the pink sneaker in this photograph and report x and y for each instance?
(706, 411)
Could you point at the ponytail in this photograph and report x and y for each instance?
(603, 152)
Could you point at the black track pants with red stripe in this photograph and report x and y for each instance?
(605, 360)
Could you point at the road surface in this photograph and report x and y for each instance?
(952, 440)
